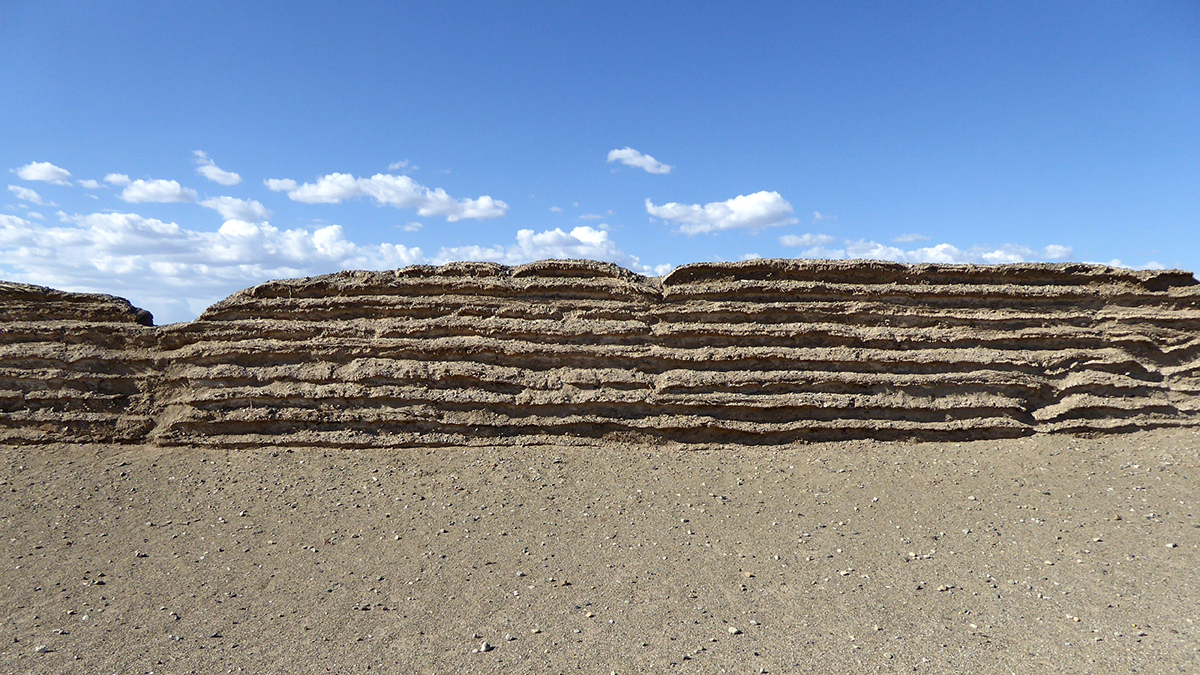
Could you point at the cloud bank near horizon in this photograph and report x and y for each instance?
(817, 246)
(177, 270)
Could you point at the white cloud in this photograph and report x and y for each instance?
(591, 216)
(414, 226)
(753, 212)
(158, 191)
(1056, 252)
(818, 217)
(117, 179)
(232, 208)
(910, 237)
(25, 194)
(401, 192)
(581, 242)
(280, 184)
(863, 249)
(630, 157)
(45, 172)
(806, 240)
(89, 184)
(211, 171)
(403, 165)
(555, 209)
(173, 271)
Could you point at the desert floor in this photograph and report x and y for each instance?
(1046, 554)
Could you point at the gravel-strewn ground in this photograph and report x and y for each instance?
(1045, 554)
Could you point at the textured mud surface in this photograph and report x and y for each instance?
(563, 352)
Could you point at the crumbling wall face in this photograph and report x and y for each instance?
(574, 352)
(74, 367)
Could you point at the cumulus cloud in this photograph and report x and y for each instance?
(630, 157)
(280, 184)
(555, 209)
(176, 272)
(232, 208)
(403, 165)
(1056, 252)
(401, 192)
(863, 249)
(211, 171)
(906, 238)
(89, 184)
(158, 191)
(581, 242)
(117, 179)
(806, 240)
(818, 217)
(752, 212)
(25, 194)
(45, 172)
(173, 271)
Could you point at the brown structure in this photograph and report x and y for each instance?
(760, 352)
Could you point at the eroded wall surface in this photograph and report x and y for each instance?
(757, 352)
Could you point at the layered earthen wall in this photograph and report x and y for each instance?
(574, 352)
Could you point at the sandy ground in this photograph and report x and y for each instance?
(1045, 554)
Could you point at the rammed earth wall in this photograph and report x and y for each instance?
(760, 352)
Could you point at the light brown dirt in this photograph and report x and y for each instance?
(1018, 555)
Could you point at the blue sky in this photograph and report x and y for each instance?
(174, 153)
